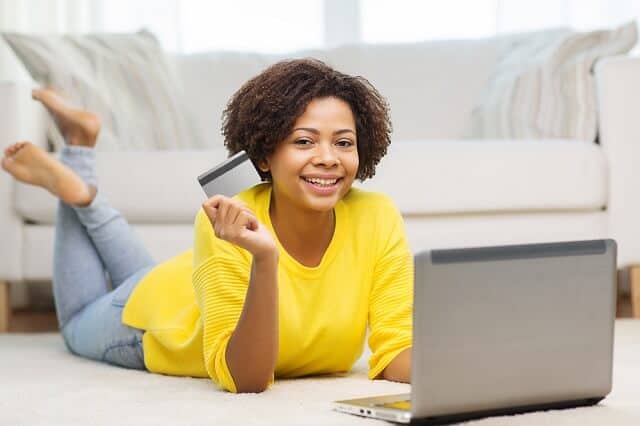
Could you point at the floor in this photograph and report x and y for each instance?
(74, 391)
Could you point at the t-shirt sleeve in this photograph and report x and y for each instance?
(391, 298)
(220, 280)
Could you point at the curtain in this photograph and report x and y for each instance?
(41, 17)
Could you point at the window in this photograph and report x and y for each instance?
(279, 26)
(414, 20)
(190, 26)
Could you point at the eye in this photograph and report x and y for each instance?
(303, 142)
(345, 143)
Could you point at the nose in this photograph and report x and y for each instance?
(325, 156)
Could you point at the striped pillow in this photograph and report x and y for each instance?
(543, 87)
(124, 78)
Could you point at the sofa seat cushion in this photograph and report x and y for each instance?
(423, 177)
(487, 176)
(146, 187)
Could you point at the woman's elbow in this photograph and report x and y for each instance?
(253, 387)
(256, 384)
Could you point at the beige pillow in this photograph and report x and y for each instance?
(543, 87)
(124, 78)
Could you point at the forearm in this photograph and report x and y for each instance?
(253, 347)
(399, 370)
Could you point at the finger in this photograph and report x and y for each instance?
(209, 206)
(217, 200)
(214, 201)
(218, 226)
(223, 212)
(253, 224)
(234, 209)
(211, 212)
(234, 213)
(248, 220)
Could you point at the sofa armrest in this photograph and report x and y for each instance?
(20, 119)
(618, 91)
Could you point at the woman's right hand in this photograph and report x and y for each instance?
(234, 222)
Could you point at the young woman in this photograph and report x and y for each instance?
(283, 278)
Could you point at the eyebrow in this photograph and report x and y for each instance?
(312, 130)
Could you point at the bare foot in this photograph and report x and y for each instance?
(77, 126)
(30, 164)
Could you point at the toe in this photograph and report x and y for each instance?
(5, 163)
(11, 149)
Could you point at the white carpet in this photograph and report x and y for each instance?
(42, 384)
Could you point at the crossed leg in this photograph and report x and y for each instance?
(91, 237)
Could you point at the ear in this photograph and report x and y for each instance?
(263, 166)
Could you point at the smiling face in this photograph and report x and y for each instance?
(315, 166)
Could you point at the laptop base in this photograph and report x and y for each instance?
(456, 418)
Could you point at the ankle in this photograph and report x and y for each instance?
(78, 138)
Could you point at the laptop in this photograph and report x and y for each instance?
(506, 330)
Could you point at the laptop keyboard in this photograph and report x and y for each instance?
(399, 405)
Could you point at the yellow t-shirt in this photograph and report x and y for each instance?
(189, 305)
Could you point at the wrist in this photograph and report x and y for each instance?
(270, 256)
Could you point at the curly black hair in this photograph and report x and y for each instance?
(263, 111)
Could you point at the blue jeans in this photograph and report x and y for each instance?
(98, 260)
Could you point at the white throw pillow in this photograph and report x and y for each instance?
(543, 86)
(124, 78)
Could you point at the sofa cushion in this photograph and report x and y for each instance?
(210, 79)
(431, 86)
(424, 178)
(438, 89)
(412, 77)
(480, 176)
(124, 78)
(147, 187)
(162, 241)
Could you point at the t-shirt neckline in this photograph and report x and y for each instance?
(330, 252)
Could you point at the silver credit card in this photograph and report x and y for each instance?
(230, 177)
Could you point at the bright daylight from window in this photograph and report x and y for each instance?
(280, 26)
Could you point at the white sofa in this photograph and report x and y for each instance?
(452, 191)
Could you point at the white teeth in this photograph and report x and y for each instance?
(327, 182)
